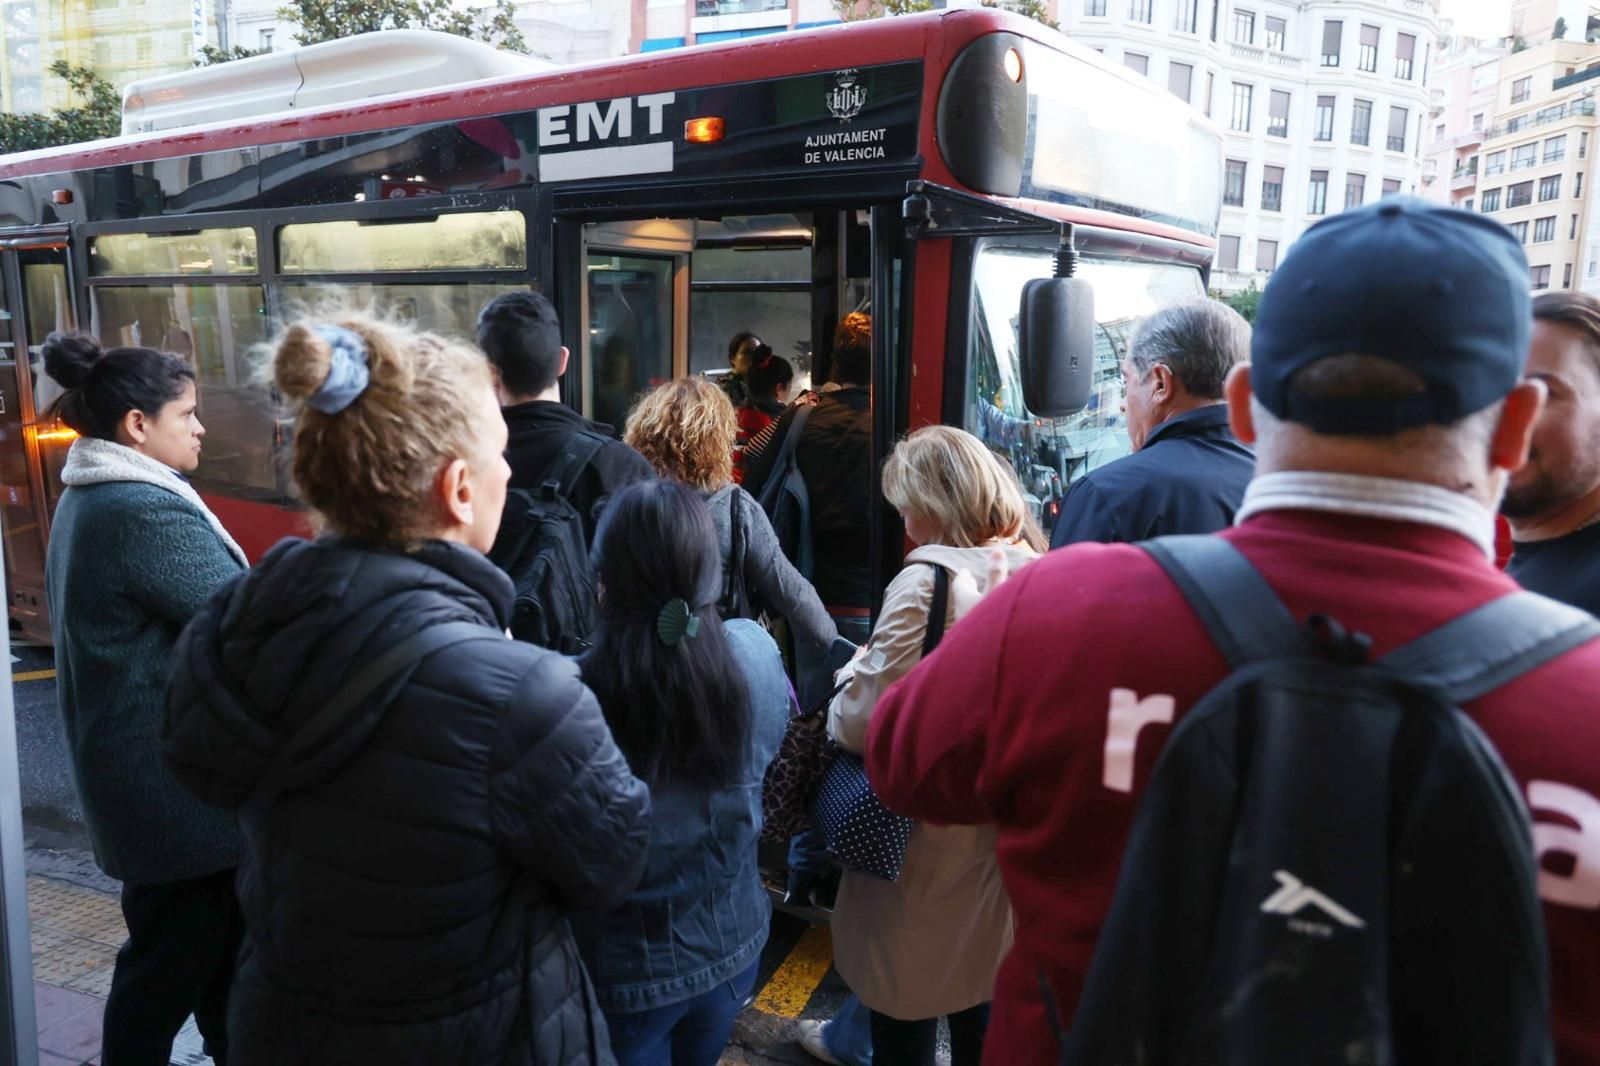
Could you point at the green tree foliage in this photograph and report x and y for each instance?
(1561, 29)
(856, 10)
(1244, 302)
(211, 55)
(329, 20)
(98, 114)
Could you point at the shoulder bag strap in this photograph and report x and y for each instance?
(1246, 619)
(937, 609)
(780, 461)
(357, 689)
(563, 473)
(1479, 651)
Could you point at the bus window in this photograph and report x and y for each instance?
(212, 251)
(447, 308)
(1048, 454)
(751, 273)
(215, 328)
(490, 240)
(630, 329)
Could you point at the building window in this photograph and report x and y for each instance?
(1094, 8)
(1233, 185)
(1524, 156)
(1188, 16)
(1361, 122)
(1583, 145)
(1244, 26)
(266, 40)
(1521, 89)
(1266, 256)
(1277, 29)
(1544, 229)
(1317, 201)
(1550, 188)
(1477, 121)
(1324, 130)
(1594, 259)
(1466, 205)
(1228, 253)
(1540, 276)
(1494, 163)
(1272, 188)
(1491, 201)
(1368, 60)
(1180, 78)
(1278, 114)
(1332, 32)
(1355, 190)
(1241, 107)
(1141, 10)
(1135, 62)
(1577, 184)
(1519, 230)
(1572, 231)
(1391, 186)
(1397, 129)
(1211, 87)
(1405, 51)
(1555, 149)
(1520, 194)
(1566, 276)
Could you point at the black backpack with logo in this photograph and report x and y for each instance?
(1330, 864)
(542, 547)
(786, 499)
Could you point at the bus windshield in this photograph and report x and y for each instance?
(1049, 453)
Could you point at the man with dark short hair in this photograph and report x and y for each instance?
(519, 333)
(1553, 503)
(1387, 407)
(1188, 471)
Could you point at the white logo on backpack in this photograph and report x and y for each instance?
(1293, 896)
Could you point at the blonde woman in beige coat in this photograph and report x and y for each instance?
(929, 943)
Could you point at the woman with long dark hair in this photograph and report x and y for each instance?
(698, 705)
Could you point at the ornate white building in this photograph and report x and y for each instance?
(1322, 104)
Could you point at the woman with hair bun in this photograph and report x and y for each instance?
(424, 800)
(699, 706)
(134, 553)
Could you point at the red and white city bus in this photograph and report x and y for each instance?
(922, 168)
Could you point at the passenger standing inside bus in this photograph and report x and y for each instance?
(425, 801)
(768, 382)
(520, 334)
(134, 553)
(685, 428)
(741, 352)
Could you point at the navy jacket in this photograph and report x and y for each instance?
(1188, 478)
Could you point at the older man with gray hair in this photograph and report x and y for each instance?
(1188, 472)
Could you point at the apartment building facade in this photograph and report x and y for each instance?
(1323, 104)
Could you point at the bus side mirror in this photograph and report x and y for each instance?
(1056, 333)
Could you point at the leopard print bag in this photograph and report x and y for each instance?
(803, 757)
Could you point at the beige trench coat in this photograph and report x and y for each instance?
(929, 943)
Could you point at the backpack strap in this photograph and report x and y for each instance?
(355, 690)
(780, 462)
(1245, 618)
(1479, 651)
(563, 474)
(936, 610)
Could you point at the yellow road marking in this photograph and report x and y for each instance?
(790, 988)
(34, 675)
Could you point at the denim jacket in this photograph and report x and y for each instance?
(700, 914)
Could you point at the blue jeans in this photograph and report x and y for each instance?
(692, 1033)
(848, 1036)
(808, 851)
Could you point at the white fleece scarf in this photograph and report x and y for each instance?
(92, 461)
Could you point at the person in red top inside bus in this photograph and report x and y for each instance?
(767, 387)
(1387, 411)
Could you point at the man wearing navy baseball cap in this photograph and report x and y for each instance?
(1386, 403)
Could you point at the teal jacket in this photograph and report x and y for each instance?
(130, 562)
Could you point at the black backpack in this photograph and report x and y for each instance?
(541, 545)
(1330, 864)
(786, 499)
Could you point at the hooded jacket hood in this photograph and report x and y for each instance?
(278, 643)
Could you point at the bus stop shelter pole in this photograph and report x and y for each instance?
(19, 1037)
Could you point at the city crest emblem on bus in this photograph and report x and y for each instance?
(848, 96)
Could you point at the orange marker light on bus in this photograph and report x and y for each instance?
(1013, 62)
(704, 130)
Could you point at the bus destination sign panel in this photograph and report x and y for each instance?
(841, 118)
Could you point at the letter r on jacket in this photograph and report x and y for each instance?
(1127, 717)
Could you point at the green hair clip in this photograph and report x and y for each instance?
(677, 622)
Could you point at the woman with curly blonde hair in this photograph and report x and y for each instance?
(686, 429)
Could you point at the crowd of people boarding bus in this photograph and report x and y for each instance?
(1267, 762)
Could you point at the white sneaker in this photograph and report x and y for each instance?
(809, 1036)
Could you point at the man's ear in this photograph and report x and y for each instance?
(1166, 383)
(454, 493)
(1508, 448)
(1236, 390)
(561, 368)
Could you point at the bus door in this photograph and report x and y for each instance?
(35, 300)
(634, 296)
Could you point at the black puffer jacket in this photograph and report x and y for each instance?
(405, 897)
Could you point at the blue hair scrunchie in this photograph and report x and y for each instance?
(348, 375)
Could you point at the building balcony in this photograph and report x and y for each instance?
(1543, 117)
(1265, 56)
(1463, 178)
(1435, 101)
(710, 8)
